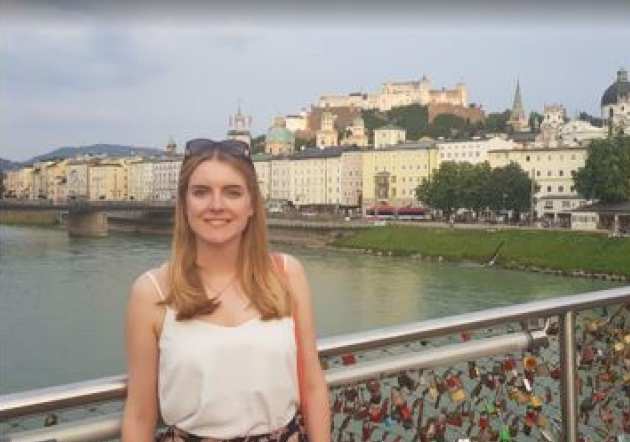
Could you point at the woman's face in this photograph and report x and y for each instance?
(218, 203)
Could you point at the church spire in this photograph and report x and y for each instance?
(517, 107)
(518, 119)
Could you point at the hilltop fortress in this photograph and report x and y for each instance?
(395, 94)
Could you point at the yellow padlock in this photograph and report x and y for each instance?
(458, 395)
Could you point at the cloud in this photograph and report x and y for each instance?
(72, 60)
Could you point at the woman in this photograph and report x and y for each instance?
(222, 337)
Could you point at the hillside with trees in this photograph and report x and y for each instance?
(415, 120)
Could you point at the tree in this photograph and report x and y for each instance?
(414, 119)
(534, 120)
(442, 191)
(595, 121)
(510, 187)
(373, 119)
(258, 144)
(475, 186)
(301, 142)
(2, 195)
(606, 173)
(447, 126)
(497, 121)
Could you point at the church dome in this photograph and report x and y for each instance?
(280, 135)
(617, 90)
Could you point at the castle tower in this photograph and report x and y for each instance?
(327, 135)
(171, 147)
(518, 120)
(240, 125)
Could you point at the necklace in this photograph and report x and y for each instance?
(218, 293)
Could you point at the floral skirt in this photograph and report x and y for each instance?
(294, 431)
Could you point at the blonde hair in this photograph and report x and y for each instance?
(260, 276)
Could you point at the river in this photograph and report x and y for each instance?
(62, 299)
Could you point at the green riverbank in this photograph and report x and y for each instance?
(565, 252)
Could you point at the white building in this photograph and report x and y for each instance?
(165, 177)
(297, 122)
(473, 151)
(552, 170)
(351, 178)
(389, 135)
(262, 164)
(616, 103)
(580, 133)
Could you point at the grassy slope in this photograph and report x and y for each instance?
(568, 251)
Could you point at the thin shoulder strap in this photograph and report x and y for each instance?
(284, 262)
(155, 284)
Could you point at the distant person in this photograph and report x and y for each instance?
(221, 338)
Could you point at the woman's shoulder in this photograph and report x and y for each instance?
(151, 285)
(289, 263)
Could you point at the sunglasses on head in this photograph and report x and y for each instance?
(235, 148)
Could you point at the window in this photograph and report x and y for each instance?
(566, 204)
(538, 173)
(560, 189)
(527, 158)
(561, 172)
(549, 173)
(572, 188)
(548, 189)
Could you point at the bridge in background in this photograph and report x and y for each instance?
(88, 218)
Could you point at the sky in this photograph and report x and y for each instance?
(78, 73)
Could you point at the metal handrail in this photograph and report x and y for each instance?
(469, 321)
(109, 426)
(42, 400)
(565, 308)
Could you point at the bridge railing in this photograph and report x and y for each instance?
(552, 370)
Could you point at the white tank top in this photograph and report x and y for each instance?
(225, 382)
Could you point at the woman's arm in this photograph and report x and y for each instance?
(141, 408)
(313, 387)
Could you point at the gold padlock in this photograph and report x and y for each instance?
(458, 395)
(433, 392)
(535, 401)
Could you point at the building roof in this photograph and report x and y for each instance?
(279, 135)
(523, 136)
(619, 89)
(261, 156)
(620, 208)
(315, 152)
(540, 149)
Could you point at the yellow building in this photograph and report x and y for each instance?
(56, 177)
(552, 170)
(327, 135)
(19, 183)
(390, 175)
(107, 181)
